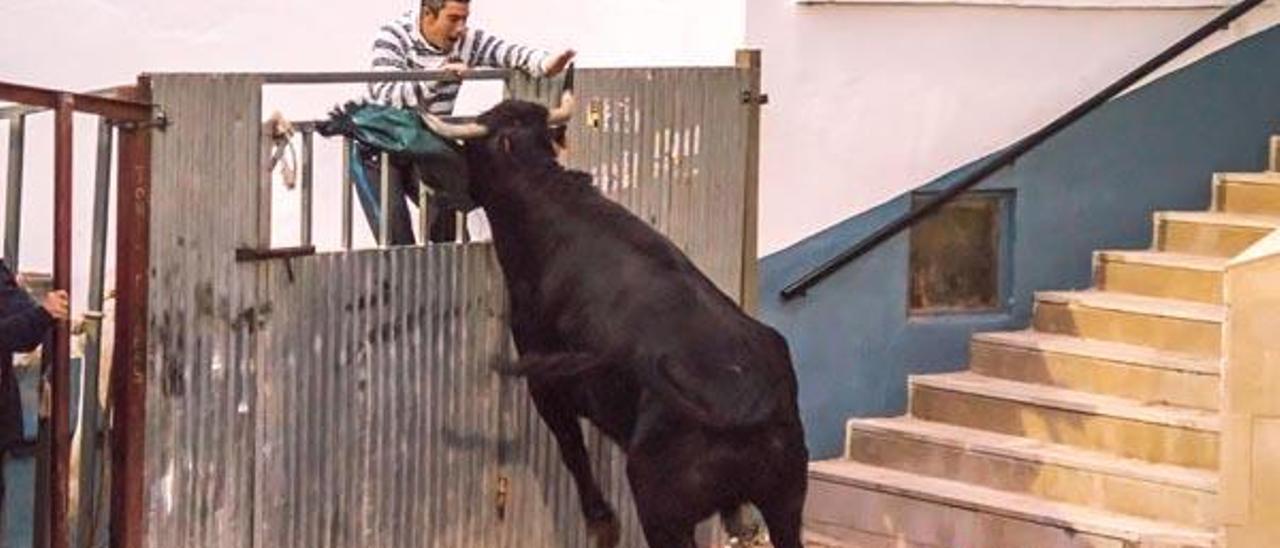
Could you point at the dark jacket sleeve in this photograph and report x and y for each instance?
(23, 323)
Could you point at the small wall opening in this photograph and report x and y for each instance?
(959, 255)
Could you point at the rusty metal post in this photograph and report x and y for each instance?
(60, 371)
(129, 369)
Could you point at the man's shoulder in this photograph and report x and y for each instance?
(402, 24)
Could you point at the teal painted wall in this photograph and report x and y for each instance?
(1093, 186)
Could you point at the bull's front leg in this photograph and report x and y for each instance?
(554, 405)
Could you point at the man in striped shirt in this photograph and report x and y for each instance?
(435, 36)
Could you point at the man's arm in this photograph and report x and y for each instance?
(490, 51)
(23, 323)
(23, 331)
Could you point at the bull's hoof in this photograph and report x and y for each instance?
(605, 531)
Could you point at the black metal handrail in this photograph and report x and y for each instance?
(1011, 154)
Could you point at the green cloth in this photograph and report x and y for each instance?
(401, 133)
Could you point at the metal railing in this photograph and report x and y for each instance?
(306, 131)
(1008, 156)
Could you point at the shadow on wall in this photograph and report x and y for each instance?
(1093, 186)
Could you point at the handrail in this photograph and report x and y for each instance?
(799, 287)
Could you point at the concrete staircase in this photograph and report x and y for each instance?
(1101, 426)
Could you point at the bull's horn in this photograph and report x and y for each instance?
(562, 113)
(454, 131)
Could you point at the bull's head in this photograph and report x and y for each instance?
(510, 115)
(512, 137)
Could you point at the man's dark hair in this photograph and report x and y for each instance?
(434, 6)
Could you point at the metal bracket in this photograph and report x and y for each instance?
(751, 98)
(253, 254)
(249, 255)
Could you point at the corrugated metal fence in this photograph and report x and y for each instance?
(345, 399)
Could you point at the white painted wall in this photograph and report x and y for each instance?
(869, 100)
(89, 44)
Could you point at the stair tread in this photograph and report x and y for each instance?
(1165, 258)
(1070, 400)
(1251, 178)
(1140, 304)
(1012, 505)
(1251, 220)
(1104, 350)
(1021, 448)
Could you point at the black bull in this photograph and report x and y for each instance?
(613, 323)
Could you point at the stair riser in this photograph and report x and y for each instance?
(1114, 435)
(1174, 334)
(1094, 375)
(864, 517)
(1160, 281)
(1206, 239)
(1053, 482)
(1247, 198)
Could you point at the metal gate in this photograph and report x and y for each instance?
(345, 399)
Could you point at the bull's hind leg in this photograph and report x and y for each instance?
(602, 524)
(666, 521)
(670, 490)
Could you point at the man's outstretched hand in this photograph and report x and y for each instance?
(55, 303)
(556, 63)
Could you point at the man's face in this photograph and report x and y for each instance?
(445, 28)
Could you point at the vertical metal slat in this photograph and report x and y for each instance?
(13, 205)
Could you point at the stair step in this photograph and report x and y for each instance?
(1213, 233)
(1135, 372)
(1166, 324)
(1160, 274)
(1247, 193)
(914, 510)
(1023, 465)
(1127, 428)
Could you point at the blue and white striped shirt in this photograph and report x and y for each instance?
(400, 47)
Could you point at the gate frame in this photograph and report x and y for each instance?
(128, 108)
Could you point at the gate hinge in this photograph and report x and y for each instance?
(159, 120)
(752, 98)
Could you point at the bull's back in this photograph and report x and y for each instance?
(611, 280)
